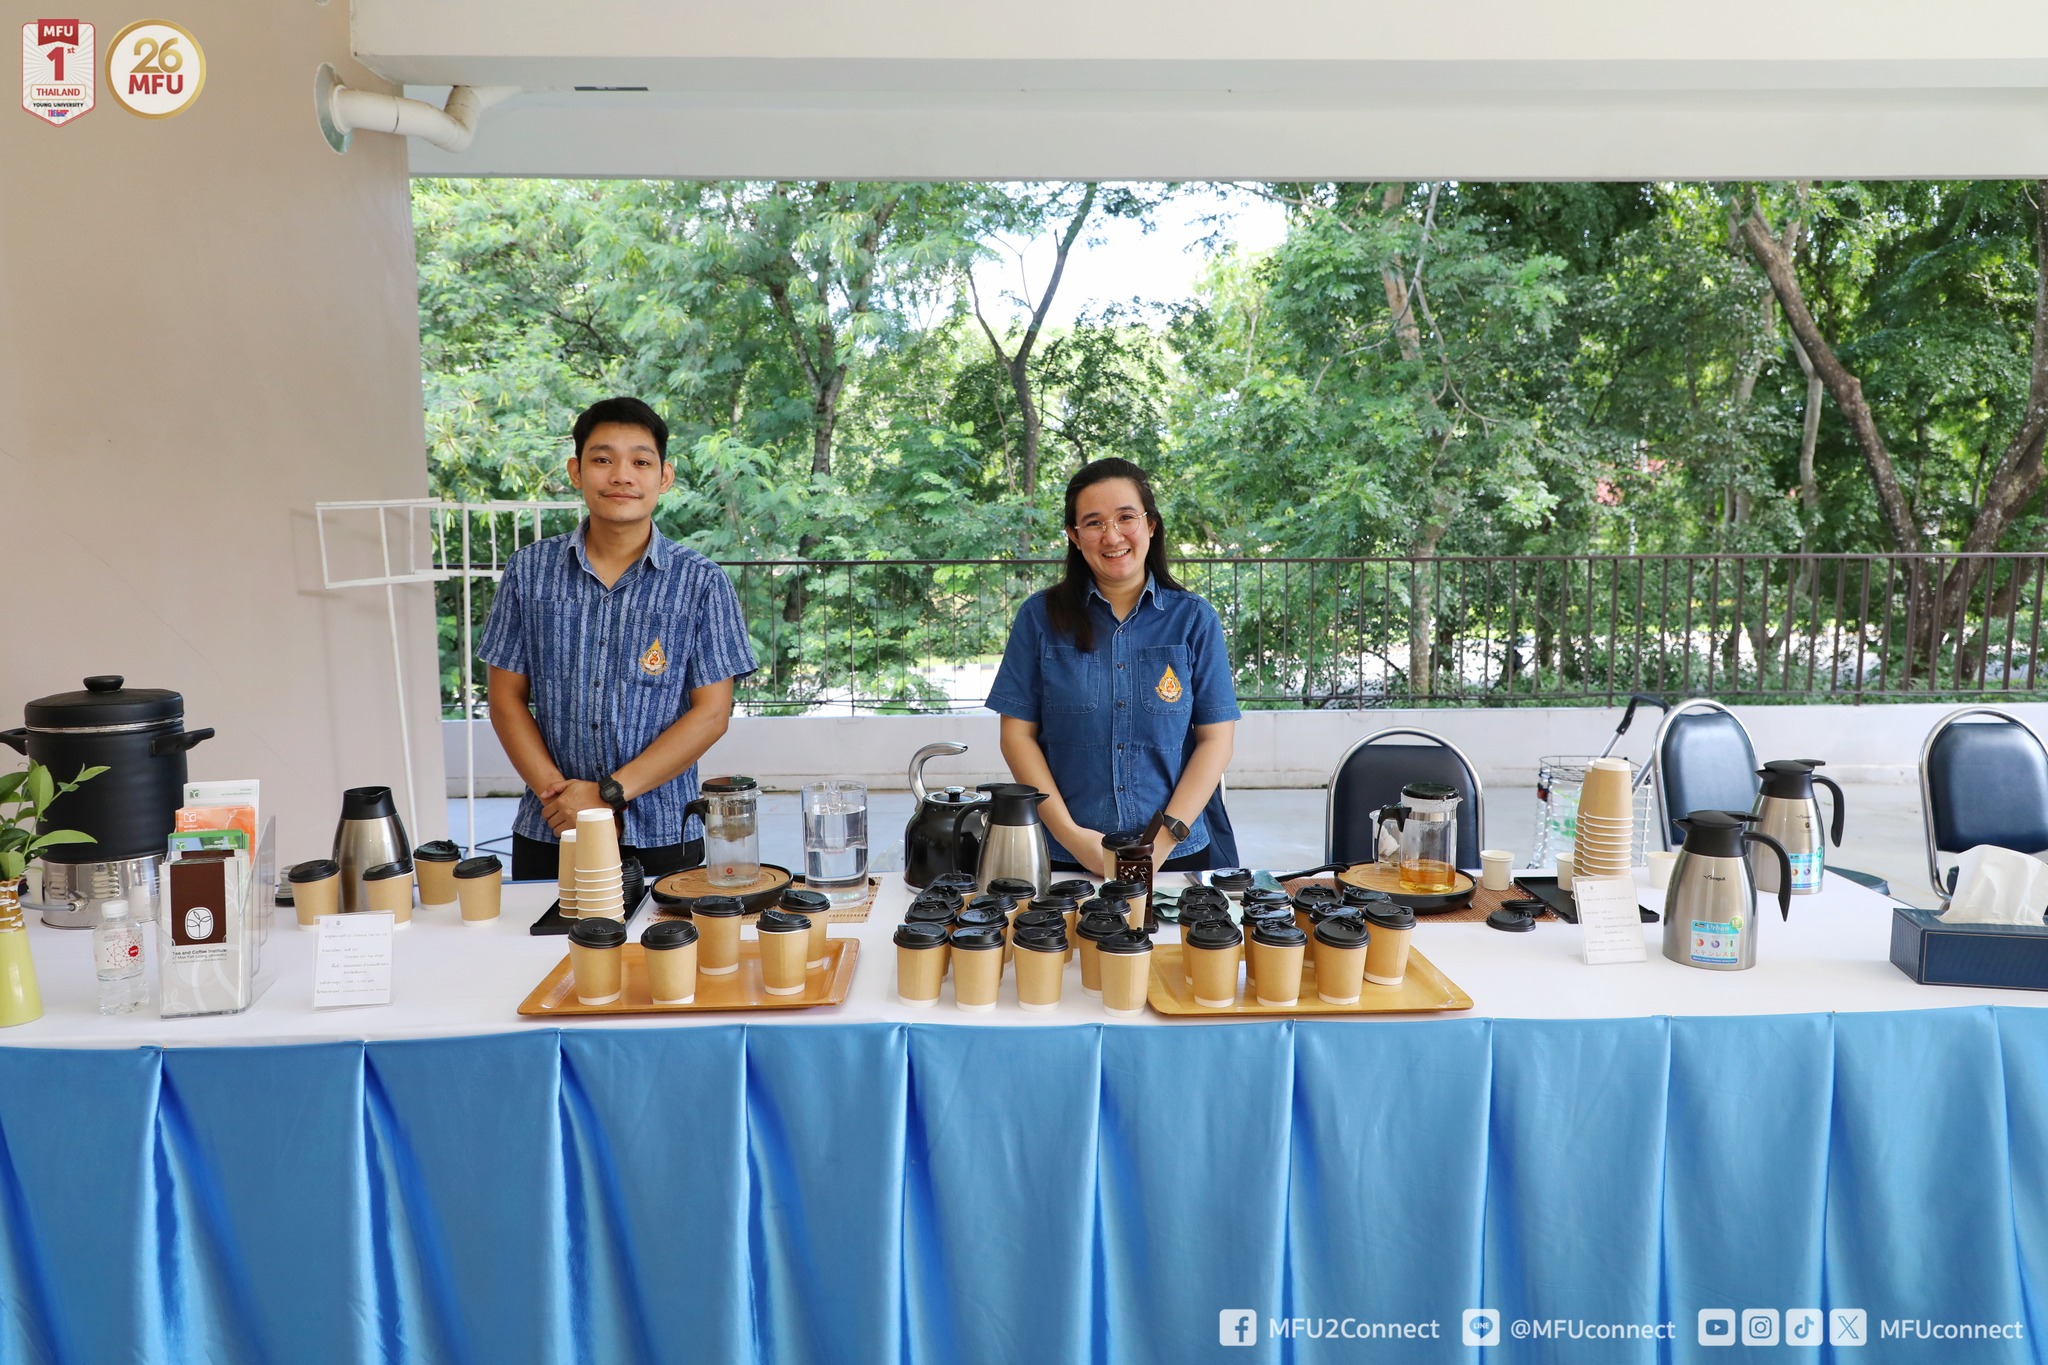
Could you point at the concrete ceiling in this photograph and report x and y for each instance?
(1204, 89)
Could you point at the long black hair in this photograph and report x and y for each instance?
(1066, 602)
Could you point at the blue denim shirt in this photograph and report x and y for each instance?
(611, 668)
(1114, 723)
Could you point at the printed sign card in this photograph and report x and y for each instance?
(354, 960)
(1610, 925)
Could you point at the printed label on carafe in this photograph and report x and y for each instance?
(1715, 943)
(1806, 869)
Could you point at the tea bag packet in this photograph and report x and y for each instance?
(1998, 886)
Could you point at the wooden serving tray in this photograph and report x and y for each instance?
(1386, 877)
(1424, 990)
(555, 996)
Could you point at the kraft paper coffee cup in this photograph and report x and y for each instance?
(597, 960)
(1257, 917)
(1340, 960)
(1211, 949)
(1126, 967)
(1075, 889)
(669, 948)
(1133, 895)
(1390, 929)
(565, 873)
(1041, 956)
(316, 890)
(1279, 945)
(1190, 917)
(1232, 882)
(817, 905)
(1093, 927)
(388, 886)
(1016, 888)
(977, 968)
(479, 886)
(920, 962)
(785, 951)
(434, 865)
(929, 909)
(957, 886)
(718, 934)
(1069, 912)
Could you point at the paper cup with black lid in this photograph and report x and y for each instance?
(1016, 888)
(388, 886)
(958, 885)
(1390, 930)
(1211, 946)
(785, 950)
(1041, 955)
(1277, 945)
(1132, 894)
(921, 949)
(928, 909)
(977, 968)
(669, 948)
(718, 934)
(1076, 889)
(1095, 926)
(479, 886)
(316, 890)
(1069, 909)
(1257, 917)
(1197, 914)
(1126, 966)
(797, 900)
(597, 960)
(1232, 882)
(1340, 960)
(434, 865)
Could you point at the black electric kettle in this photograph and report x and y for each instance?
(946, 828)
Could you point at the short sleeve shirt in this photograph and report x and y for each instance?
(611, 668)
(1115, 722)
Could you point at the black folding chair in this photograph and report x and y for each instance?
(1983, 780)
(1371, 774)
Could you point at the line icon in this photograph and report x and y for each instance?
(1482, 1326)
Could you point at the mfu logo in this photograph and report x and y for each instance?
(1237, 1327)
(57, 69)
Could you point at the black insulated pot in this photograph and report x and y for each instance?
(138, 734)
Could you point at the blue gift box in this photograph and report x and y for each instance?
(1935, 953)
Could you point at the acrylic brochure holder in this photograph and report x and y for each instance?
(213, 926)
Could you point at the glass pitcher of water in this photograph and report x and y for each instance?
(732, 830)
(1426, 848)
(836, 840)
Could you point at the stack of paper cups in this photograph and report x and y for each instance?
(565, 886)
(1606, 834)
(600, 888)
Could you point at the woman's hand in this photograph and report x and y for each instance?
(1162, 849)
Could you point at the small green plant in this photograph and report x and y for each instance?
(24, 796)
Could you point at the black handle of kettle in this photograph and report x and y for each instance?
(700, 807)
(1784, 869)
(16, 739)
(1835, 826)
(178, 743)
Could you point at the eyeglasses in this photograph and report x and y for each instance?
(1125, 523)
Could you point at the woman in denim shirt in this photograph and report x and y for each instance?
(1115, 688)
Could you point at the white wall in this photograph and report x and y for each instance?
(1283, 748)
(210, 324)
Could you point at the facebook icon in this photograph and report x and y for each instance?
(1237, 1327)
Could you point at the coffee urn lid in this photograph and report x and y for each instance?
(104, 701)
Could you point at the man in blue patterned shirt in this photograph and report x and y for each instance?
(613, 652)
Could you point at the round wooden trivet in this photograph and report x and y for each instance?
(1386, 877)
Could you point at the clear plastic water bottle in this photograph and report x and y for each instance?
(117, 952)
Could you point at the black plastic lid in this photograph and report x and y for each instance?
(1268, 895)
(725, 786)
(439, 851)
(668, 933)
(1063, 904)
(982, 917)
(1077, 887)
(1789, 779)
(1117, 841)
(930, 912)
(1129, 941)
(1100, 924)
(1318, 913)
(1429, 791)
(1267, 914)
(1003, 903)
(806, 902)
(718, 907)
(1212, 933)
(1202, 914)
(384, 872)
(103, 702)
(486, 866)
(1043, 938)
(1016, 888)
(977, 940)
(367, 803)
(1278, 933)
(318, 870)
(1317, 894)
(1202, 895)
(1363, 895)
(597, 933)
(959, 883)
(1390, 916)
(1231, 879)
(1716, 833)
(1117, 890)
(1039, 919)
(782, 922)
(1345, 931)
(918, 935)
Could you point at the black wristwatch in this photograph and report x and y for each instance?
(613, 794)
(1174, 827)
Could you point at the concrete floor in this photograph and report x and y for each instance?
(1283, 829)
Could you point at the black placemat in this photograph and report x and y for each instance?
(1562, 903)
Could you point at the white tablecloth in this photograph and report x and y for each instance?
(452, 980)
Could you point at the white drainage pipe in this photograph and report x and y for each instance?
(343, 111)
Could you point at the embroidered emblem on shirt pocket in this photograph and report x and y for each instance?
(1169, 688)
(654, 663)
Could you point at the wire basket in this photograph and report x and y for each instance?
(1558, 780)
